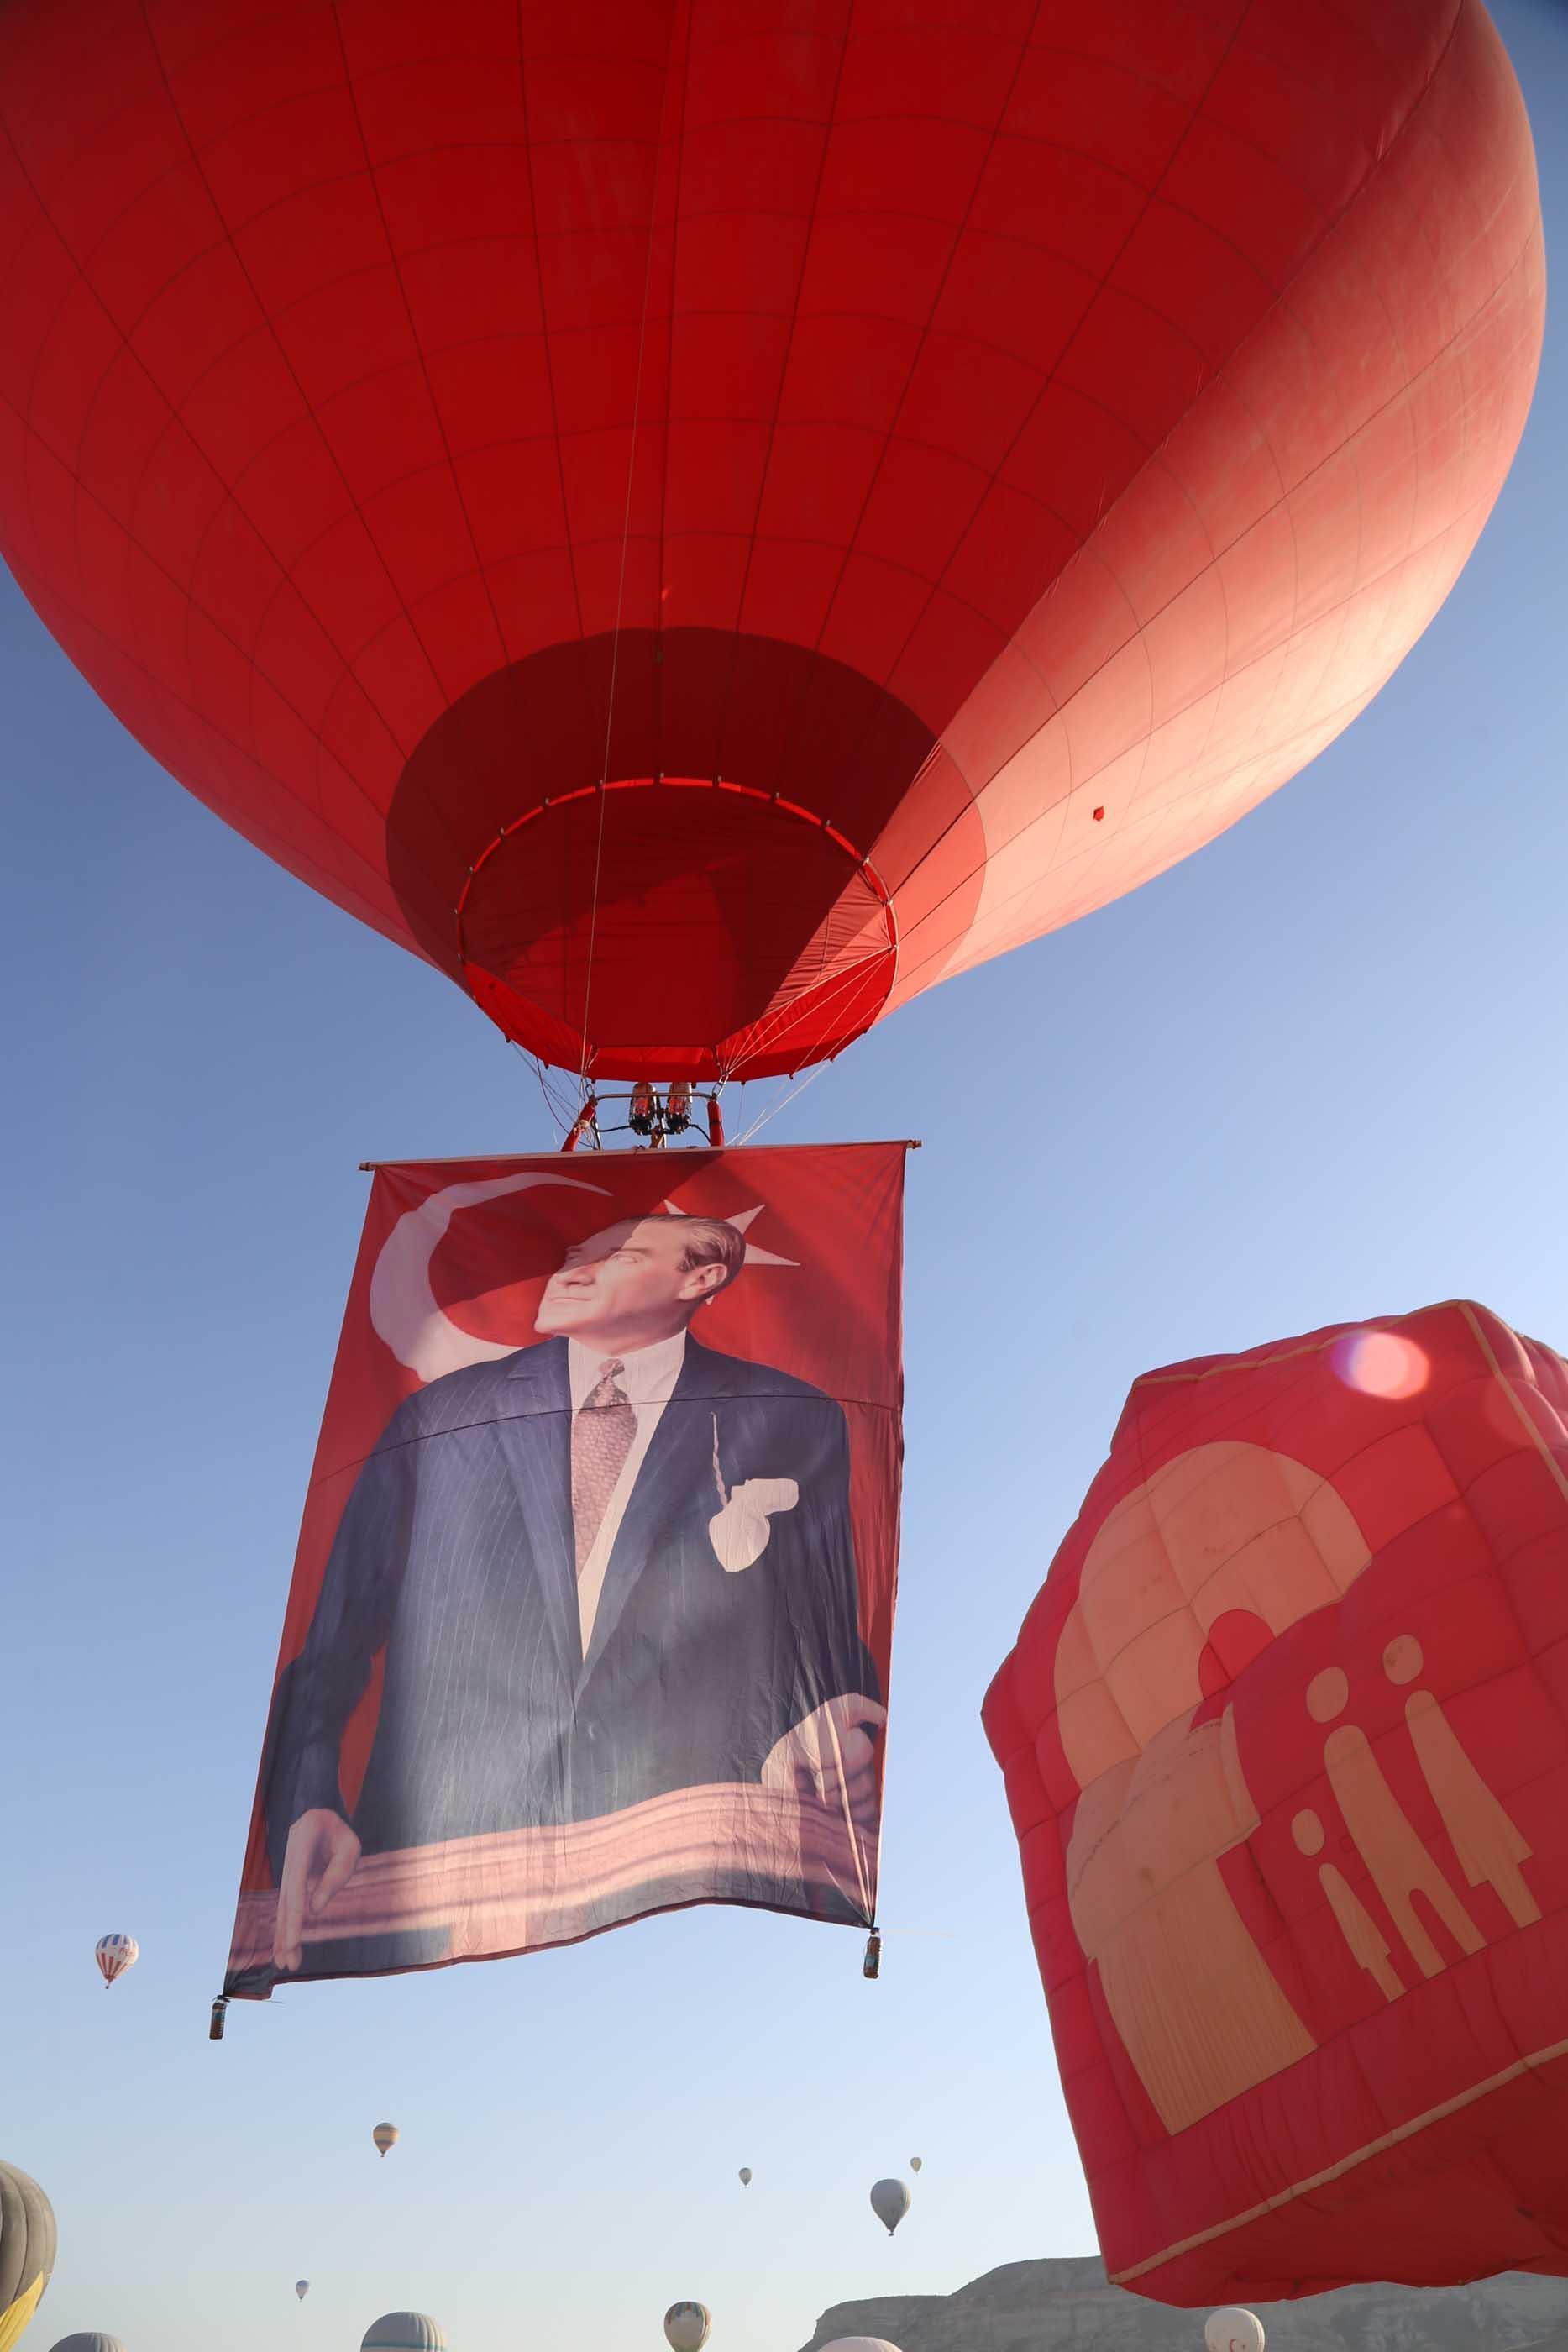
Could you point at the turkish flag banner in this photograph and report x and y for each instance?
(1285, 1737)
(593, 1605)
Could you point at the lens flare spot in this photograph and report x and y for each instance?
(1381, 1364)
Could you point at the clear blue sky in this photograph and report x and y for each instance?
(1315, 1073)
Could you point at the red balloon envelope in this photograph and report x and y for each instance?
(702, 518)
(1286, 1744)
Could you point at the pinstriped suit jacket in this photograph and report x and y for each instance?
(455, 1555)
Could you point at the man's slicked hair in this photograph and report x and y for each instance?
(709, 1241)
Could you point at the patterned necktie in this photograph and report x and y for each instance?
(603, 1429)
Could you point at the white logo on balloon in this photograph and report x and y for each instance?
(403, 1309)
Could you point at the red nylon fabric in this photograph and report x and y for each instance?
(979, 449)
(1285, 1737)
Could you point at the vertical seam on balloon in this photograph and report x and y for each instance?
(544, 323)
(1555, 1467)
(271, 329)
(733, 1065)
(413, 335)
(570, 547)
(679, 13)
(1280, 301)
(809, 218)
(659, 580)
(957, 231)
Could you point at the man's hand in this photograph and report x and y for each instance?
(831, 1756)
(319, 1861)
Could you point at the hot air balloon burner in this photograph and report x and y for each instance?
(652, 1115)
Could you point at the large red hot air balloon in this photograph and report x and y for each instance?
(702, 518)
(1286, 1745)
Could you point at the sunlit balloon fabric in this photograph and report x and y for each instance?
(702, 518)
(27, 2252)
(404, 2331)
(1286, 1745)
(593, 1600)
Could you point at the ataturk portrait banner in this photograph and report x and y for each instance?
(593, 1601)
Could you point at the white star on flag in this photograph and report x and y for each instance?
(754, 1256)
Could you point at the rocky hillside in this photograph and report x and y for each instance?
(1049, 2306)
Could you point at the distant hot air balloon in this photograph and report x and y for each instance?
(1233, 2330)
(686, 2326)
(914, 2164)
(114, 1955)
(302, 2288)
(89, 2340)
(385, 2135)
(890, 2202)
(859, 2344)
(1285, 1736)
(26, 2251)
(404, 2331)
(746, 2175)
(694, 657)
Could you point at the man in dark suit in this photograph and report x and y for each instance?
(612, 1565)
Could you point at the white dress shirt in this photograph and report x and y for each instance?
(648, 1376)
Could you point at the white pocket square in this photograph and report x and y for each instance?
(739, 1532)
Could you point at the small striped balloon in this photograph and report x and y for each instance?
(114, 1955)
(385, 2135)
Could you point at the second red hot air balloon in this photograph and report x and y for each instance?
(1286, 1744)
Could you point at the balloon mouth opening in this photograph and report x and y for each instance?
(676, 926)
